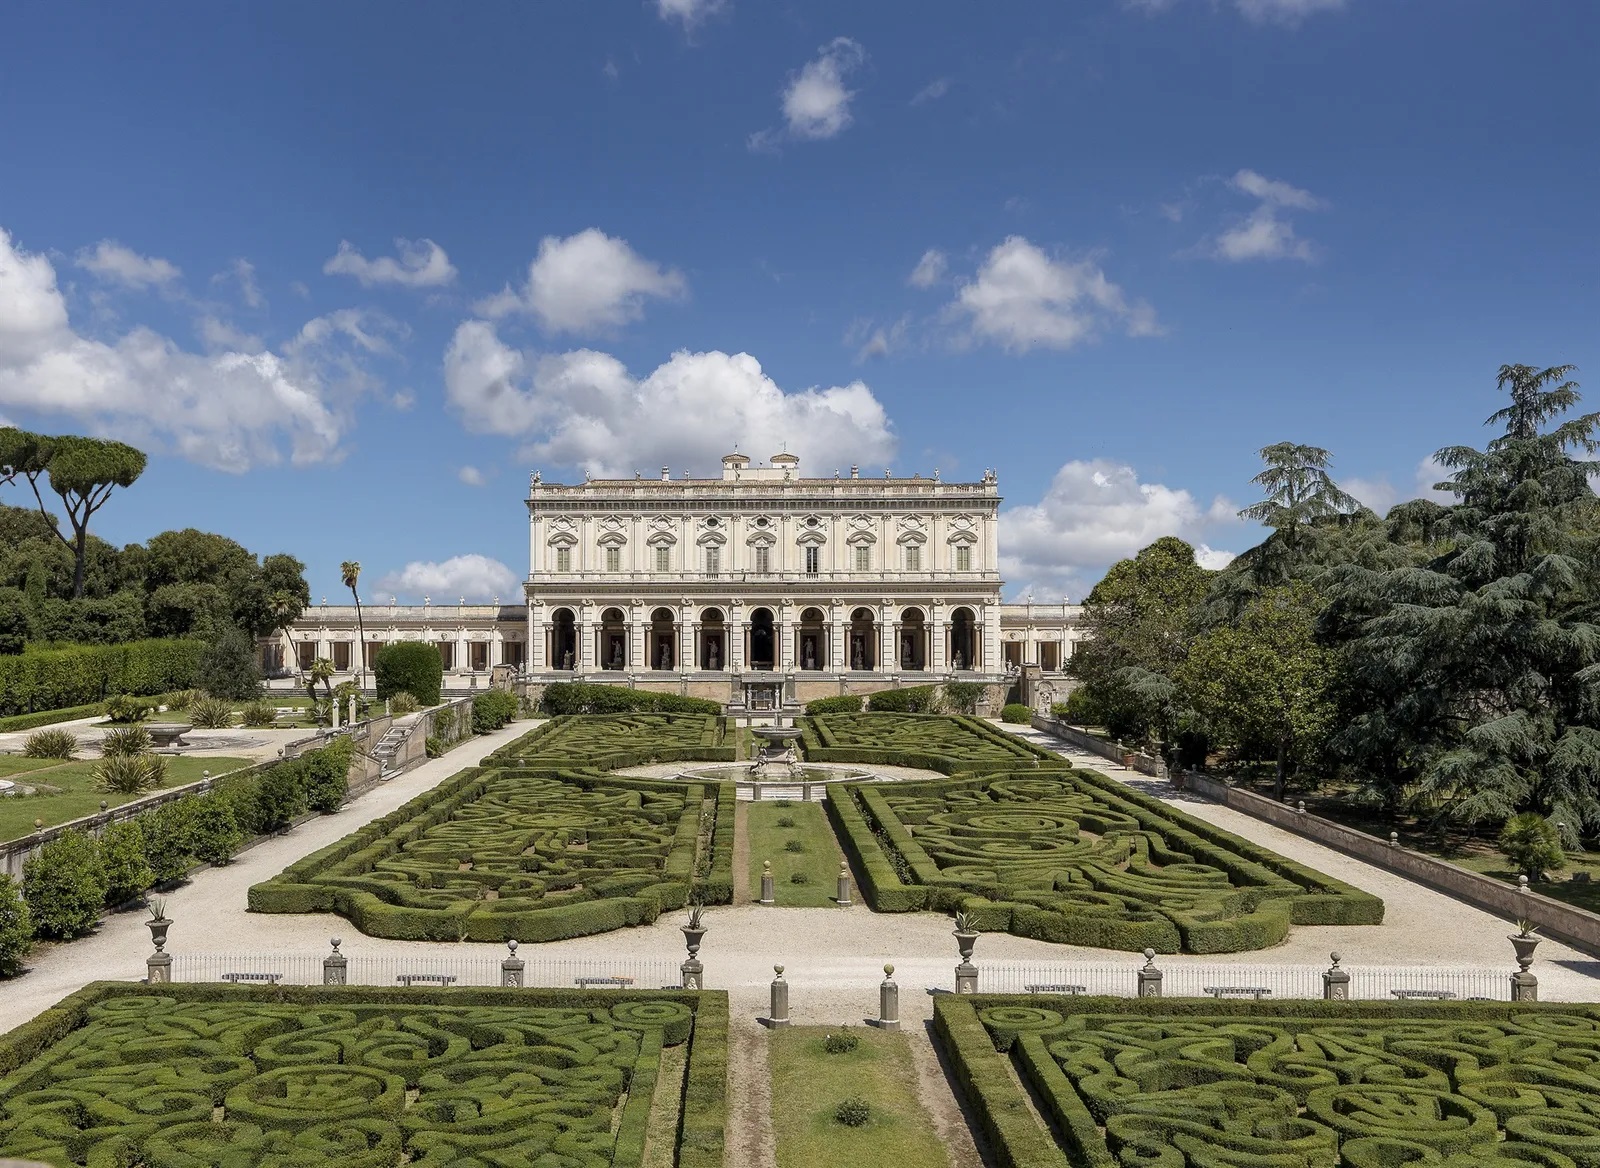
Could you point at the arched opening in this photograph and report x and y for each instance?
(713, 647)
(811, 645)
(612, 647)
(963, 639)
(663, 649)
(563, 640)
(863, 639)
(913, 640)
(762, 640)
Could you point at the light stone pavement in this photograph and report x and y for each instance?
(257, 743)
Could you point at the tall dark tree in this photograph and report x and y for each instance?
(350, 573)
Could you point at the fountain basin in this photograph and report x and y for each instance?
(804, 773)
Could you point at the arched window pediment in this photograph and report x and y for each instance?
(862, 539)
(562, 539)
(962, 537)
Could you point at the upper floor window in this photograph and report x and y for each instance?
(963, 558)
(863, 558)
(813, 560)
(763, 559)
(713, 559)
(563, 559)
(913, 557)
(663, 559)
(613, 559)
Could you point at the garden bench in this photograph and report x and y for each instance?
(441, 979)
(585, 983)
(1256, 992)
(236, 978)
(1055, 988)
(1429, 995)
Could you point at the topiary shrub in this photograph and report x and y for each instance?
(853, 1112)
(50, 744)
(127, 708)
(843, 704)
(129, 774)
(127, 869)
(916, 699)
(228, 667)
(492, 710)
(409, 667)
(1532, 843)
(16, 928)
(258, 714)
(211, 713)
(1016, 713)
(65, 886)
(580, 697)
(214, 833)
(125, 740)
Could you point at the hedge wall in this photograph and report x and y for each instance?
(950, 744)
(582, 697)
(52, 679)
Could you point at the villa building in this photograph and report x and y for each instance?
(761, 589)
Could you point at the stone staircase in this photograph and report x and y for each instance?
(389, 745)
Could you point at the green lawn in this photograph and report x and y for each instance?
(74, 793)
(15, 764)
(819, 861)
(808, 1083)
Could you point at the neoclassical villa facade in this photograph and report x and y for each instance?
(761, 588)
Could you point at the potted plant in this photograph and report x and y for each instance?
(694, 929)
(966, 933)
(1524, 941)
(158, 922)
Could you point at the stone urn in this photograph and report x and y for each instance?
(1524, 942)
(966, 937)
(693, 931)
(158, 924)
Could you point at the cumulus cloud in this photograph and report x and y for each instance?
(231, 409)
(242, 273)
(110, 261)
(1095, 513)
(1285, 12)
(586, 283)
(476, 578)
(471, 476)
(1380, 493)
(1021, 298)
(816, 102)
(929, 270)
(1266, 233)
(584, 409)
(421, 263)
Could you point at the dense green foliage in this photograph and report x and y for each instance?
(65, 885)
(1293, 1085)
(50, 717)
(130, 773)
(50, 744)
(520, 1079)
(409, 667)
(228, 667)
(1016, 713)
(492, 710)
(127, 868)
(16, 928)
(952, 745)
(840, 704)
(581, 697)
(50, 679)
(913, 699)
(1532, 843)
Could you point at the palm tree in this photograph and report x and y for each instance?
(284, 607)
(350, 573)
(321, 671)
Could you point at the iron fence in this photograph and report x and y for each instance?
(425, 969)
(1271, 982)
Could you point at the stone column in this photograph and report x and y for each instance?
(687, 627)
(733, 656)
(989, 635)
(691, 653)
(938, 639)
(463, 652)
(539, 647)
(639, 656)
(585, 654)
(335, 966)
(838, 634)
(511, 967)
(766, 875)
(1149, 976)
(778, 1016)
(888, 1001)
(888, 652)
(784, 631)
(1336, 982)
(844, 878)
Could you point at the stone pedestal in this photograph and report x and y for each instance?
(511, 968)
(158, 968)
(778, 1015)
(844, 885)
(766, 883)
(966, 978)
(1336, 982)
(1524, 987)
(888, 1001)
(335, 966)
(1149, 976)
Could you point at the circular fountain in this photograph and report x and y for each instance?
(777, 771)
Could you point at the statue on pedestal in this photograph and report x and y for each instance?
(714, 655)
(566, 660)
(809, 661)
(858, 655)
(666, 654)
(616, 652)
(958, 661)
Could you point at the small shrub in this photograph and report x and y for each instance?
(65, 886)
(168, 840)
(129, 774)
(963, 696)
(214, 833)
(183, 699)
(16, 928)
(125, 741)
(785, 821)
(411, 667)
(126, 866)
(404, 703)
(492, 710)
(799, 878)
(259, 714)
(210, 713)
(50, 744)
(327, 776)
(127, 708)
(1080, 709)
(794, 846)
(853, 1112)
(843, 704)
(783, 804)
(1016, 713)
(1532, 843)
(433, 746)
(841, 1043)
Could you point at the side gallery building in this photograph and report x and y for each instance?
(762, 588)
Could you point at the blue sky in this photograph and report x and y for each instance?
(349, 272)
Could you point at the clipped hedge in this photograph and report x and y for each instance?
(56, 679)
(842, 704)
(50, 717)
(436, 1087)
(409, 667)
(911, 699)
(952, 745)
(583, 697)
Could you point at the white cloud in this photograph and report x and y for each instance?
(471, 476)
(875, 340)
(816, 102)
(421, 264)
(929, 270)
(476, 578)
(584, 409)
(1285, 12)
(1214, 559)
(932, 91)
(1095, 513)
(231, 409)
(116, 264)
(1265, 234)
(689, 13)
(243, 273)
(220, 335)
(589, 282)
(1021, 298)
(1380, 494)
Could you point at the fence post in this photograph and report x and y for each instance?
(511, 968)
(1149, 976)
(844, 884)
(335, 966)
(766, 882)
(888, 1001)
(1336, 982)
(778, 1016)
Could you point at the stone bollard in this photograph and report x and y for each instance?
(1522, 883)
(778, 1016)
(1149, 976)
(1394, 839)
(335, 966)
(511, 968)
(888, 1001)
(1300, 807)
(755, 792)
(805, 792)
(844, 884)
(766, 883)
(1336, 982)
